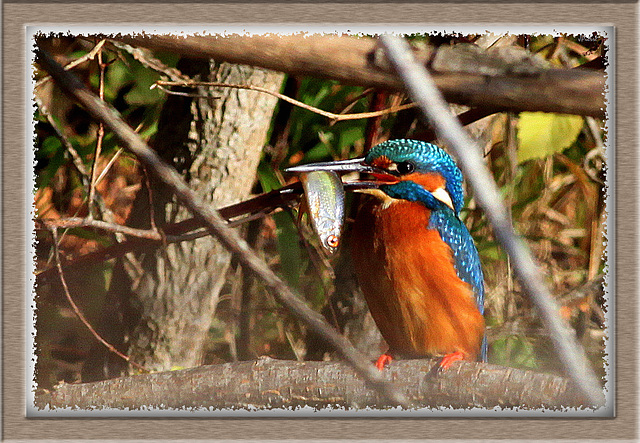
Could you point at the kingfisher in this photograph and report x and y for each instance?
(414, 258)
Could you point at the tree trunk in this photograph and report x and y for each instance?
(163, 300)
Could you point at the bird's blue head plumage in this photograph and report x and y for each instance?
(417, 156)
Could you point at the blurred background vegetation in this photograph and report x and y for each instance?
(550, 168)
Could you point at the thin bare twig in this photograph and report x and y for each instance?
(423, 90)
(99, 138)
(78, 312)
(105, 211)
(145, 57)
(77, 160)
(356, 99)
(331, 115)
(147, 234)
(235, 214)
(108, 166)
(88, 56)
(152, 214)
(217, 227)
(353, 102)
(77, 222)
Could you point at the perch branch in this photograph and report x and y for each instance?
(268, 384)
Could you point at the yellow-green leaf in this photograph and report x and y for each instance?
(543, 134)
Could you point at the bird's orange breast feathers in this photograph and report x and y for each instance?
(407, 275)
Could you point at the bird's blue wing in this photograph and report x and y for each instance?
(466, 258)
(465, 254)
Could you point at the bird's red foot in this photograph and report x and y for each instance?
(383, 361)
(448, 359)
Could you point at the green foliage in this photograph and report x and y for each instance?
(127, 73)
(514, 351)
(312, 133)
(287, 233)
(88, 234)
(491, 251)
(53, 152)
(542, 134)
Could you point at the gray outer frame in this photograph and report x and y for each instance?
(16, 234)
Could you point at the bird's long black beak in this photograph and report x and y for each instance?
(340, 166)
(380, 176)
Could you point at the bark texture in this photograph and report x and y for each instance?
(165, 299)
(269, 384)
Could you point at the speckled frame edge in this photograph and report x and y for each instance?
(16, 16)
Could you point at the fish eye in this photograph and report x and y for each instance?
(332, 241)
(405, 167)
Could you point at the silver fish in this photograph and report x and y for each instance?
(324, 193)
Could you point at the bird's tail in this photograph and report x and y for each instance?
(483, 350)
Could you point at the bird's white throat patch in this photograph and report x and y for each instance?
(442, 195)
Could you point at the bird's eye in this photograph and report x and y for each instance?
(405, 168)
